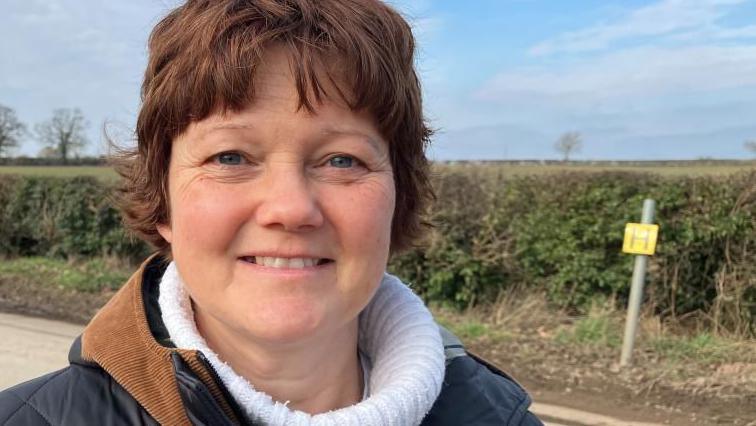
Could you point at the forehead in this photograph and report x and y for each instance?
(278, 78)
(277, 94)
(274, 79)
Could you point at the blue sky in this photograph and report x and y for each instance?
(669, 79)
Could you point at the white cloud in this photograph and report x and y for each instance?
(39, 12)
(635, 72)
(716, 33)
(732, 33)
(702, 94)
(674, 56)
(658, 19)
(411, 7)
(74, 53)
(417, 12)
(426, 28)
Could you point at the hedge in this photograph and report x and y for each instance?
(61, 217)
(41, 161)
(558, 233)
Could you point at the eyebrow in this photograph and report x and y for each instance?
(227, 126)
(324, 133)
(339, 131)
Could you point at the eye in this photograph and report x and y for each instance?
(342, 161)
(229, 158)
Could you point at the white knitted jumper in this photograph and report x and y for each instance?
(396, 332)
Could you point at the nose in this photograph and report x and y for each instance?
(288, 201)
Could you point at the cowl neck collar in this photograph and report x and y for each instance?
(396, 332)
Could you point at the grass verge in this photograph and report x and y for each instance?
(89, 276)
(57, 289)
(693, 375)
(101, 172)
(699, 372)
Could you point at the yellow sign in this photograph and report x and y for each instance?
(640, 238)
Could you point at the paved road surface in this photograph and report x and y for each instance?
(30, 347)
(578, 417)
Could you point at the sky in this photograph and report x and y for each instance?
(502, 79)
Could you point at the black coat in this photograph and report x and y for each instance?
(473, 393)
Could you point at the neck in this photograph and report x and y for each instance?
(314, 376)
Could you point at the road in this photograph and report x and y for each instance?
(30, 347)
(34, 346)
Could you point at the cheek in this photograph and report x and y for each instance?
(362, 217)
(364, 230)
(379, 213)
(204, 219)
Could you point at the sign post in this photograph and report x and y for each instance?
(640, 239)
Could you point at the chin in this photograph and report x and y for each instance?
(285, 322)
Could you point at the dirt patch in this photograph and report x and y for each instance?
(556, 375)
(582, 377)
(573, 363)
(26, 297)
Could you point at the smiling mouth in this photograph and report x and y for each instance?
(286, 263)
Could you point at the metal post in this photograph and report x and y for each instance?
(636, 291)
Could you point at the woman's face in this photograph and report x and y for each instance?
(280, 219)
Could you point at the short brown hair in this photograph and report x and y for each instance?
(203, 56)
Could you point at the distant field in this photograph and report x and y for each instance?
(681, 168)
(673, 169)
(105, 173)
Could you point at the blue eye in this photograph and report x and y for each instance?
(229, 159)
(341, 161)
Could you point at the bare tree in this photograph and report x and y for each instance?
(48, 152)
(750, 145)
(11, 130)
(568, 143)
(64, 132)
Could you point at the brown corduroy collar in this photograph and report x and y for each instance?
(120, 340)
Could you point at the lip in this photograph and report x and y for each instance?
(288, 255)
(293, 254)
(289, 272)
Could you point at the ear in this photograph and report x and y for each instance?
(165, 232)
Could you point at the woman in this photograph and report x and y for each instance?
(280, 162)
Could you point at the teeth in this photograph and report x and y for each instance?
(282, 262)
